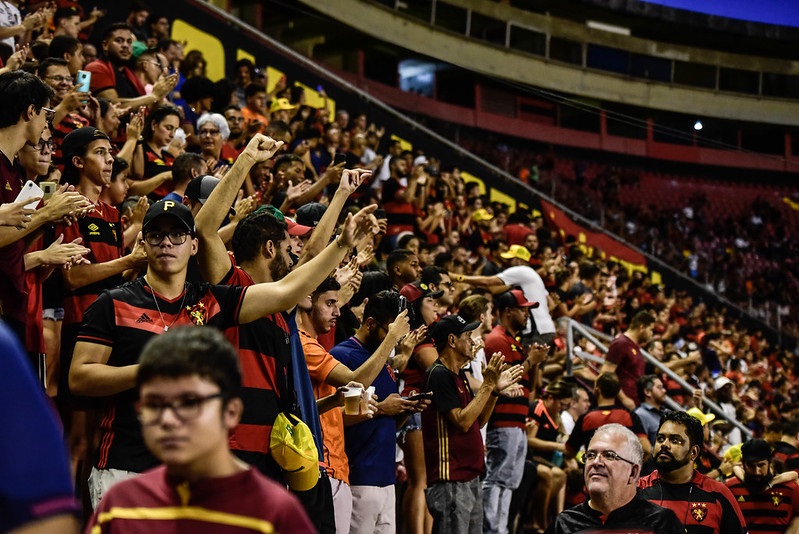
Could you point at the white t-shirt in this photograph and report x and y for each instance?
(9, 16)
(534, 291)
(566, 422)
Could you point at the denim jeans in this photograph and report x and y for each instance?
(456, 507)
(505, 451)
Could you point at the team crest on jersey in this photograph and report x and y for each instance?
(197, 313)
(776, 499)
(698, 511)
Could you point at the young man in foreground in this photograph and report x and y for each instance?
(189, 381)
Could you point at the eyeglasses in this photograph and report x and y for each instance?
(151, 62)
(60, 79)
(176, 238)
(235, 119)
(448, 284)
(49, 113)
(212, 133)
(608, 456)
(185, 409)
(42, 144)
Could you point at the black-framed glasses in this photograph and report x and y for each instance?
(49, 113)
(60, 79)
(185, 408)
(44, 143)
(212, 133)
(155, 238)
(608, 456)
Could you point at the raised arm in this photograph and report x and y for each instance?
(272, 297)
(212, 254)
(350, 181)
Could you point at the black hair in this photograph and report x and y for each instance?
(120, 166)
(397, 256)
(588, 270)
(41, 70)
(407, 238)
(254, 231)
(63, 44)
(116, 26)
(277, 129)
(644, 383)
(608, 385)
(18, 90)
(184, 164)
(382, 307)
(693, 427)
(189, 351)
(254, 88)
(642, 318)
(328, 284)
(158, 113)
(432, 274)
(285, 160)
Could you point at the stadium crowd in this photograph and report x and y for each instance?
(388, 348)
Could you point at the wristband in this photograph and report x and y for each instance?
(494, 393)
(459, 278)
(338, 243)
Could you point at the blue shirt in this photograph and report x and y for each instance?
(370, 445)
(35, 482)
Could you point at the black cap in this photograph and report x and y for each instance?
(310, 214)
(756, 450)
(78, 139)
(169, 207)
(200, 188)
(451, 324)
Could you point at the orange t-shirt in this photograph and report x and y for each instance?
(250, 115)
(320, 364)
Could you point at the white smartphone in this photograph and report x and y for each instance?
(30, 190)
(83, 80)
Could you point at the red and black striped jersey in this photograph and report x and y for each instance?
(704, 505)
(264, 350)
(509, 412)
(767, 511)
(101, 231)
(125, 318)
(156, 163)
(597, 416)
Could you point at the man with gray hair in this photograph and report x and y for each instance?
(612, 468)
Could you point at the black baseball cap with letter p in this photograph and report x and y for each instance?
(169, 207)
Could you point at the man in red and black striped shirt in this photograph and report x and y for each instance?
(704, 505)
(767, 506)
(506, 438)
(606, 411)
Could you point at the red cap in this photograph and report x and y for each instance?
(297, 229)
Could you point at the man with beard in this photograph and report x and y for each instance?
(275, 375)
(114, 80)
(506, 437)
(438, 279)
(371, 445)
(403, 267)
(701, 503)
(612, 467)
(766, 505)
(624, 357)
(327, 374)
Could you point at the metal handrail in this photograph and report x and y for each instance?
(594, 336)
